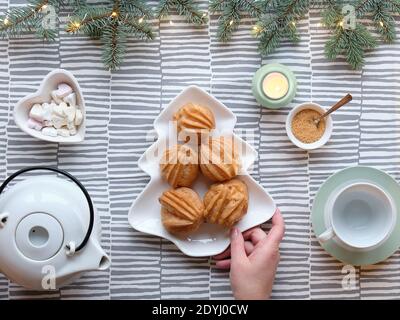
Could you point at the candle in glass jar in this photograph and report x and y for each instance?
(275, 85)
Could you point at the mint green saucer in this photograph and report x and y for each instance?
(340, 179)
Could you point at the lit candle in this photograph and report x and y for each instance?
(275, 85)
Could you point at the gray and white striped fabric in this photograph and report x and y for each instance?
(121, 107)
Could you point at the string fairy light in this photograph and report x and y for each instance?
(381, 23)
(114, 14)
(231, 22)
(171, 22)
(6, 21)
(141, 20)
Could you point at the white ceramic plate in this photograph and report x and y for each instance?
(49, 83)
(208, 240)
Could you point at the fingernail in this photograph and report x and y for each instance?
(234, 232)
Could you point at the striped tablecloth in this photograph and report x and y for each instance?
(121, 107)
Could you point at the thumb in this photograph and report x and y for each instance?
(238, 252)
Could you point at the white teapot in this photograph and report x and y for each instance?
(49, 231)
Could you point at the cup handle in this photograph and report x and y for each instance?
(326, 235)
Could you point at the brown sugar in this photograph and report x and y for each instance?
(304, 127)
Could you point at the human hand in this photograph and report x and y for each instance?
(253, 259)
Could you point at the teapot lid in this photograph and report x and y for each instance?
(39, 236)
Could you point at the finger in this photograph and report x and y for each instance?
(238, 253)
(223, 255)
(223, 264)
(255, 235)
(248, 246)
(277, 231)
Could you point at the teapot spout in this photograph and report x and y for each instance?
(104, 263)
(99, 260)
(91, 258)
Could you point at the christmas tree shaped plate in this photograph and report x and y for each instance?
(209, 239)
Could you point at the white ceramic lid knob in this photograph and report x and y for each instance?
(39, 236)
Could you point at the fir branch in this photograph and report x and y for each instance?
(228, 22)
(185, 8)
(350, 43)
(137, 8)
(88, 20)
(384, 24)
(114, 45)
(281, 24)
(139, 30)
(17, 20)
(232, 12)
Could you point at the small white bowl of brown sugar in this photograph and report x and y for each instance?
(302, 128)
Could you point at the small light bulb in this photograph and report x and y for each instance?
(293, 23)
(44, 7)
(140, 20)
(341, 23)
(381, 23)
(170, 22)
(231, 22)
(255, 28)
(204, 15)
(77, 24)
(6, 21)
(114, 14)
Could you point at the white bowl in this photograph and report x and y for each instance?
(328, 128)
(49, 83)
(208, 240)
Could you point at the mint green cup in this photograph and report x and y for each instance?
(258, 91)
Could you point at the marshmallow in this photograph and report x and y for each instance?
(71, 99)
(58, 122)
(33, 124)
(49, 131)
(63, 90)
(78, 117)
(69, 112)
(60, 116)
(48, 123)
(55, 97)
(58, 110)
(47, 111)
(71, 127)
(37, 112)
(63, 132)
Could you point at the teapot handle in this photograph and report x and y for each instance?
(71, 246)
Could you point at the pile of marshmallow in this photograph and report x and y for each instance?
(60, 117)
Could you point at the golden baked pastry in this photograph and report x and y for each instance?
(192, 118)
(218, 159)
(226, 203)
(182, 210)
(179, 166)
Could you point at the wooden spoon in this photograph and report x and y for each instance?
(346, 99)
